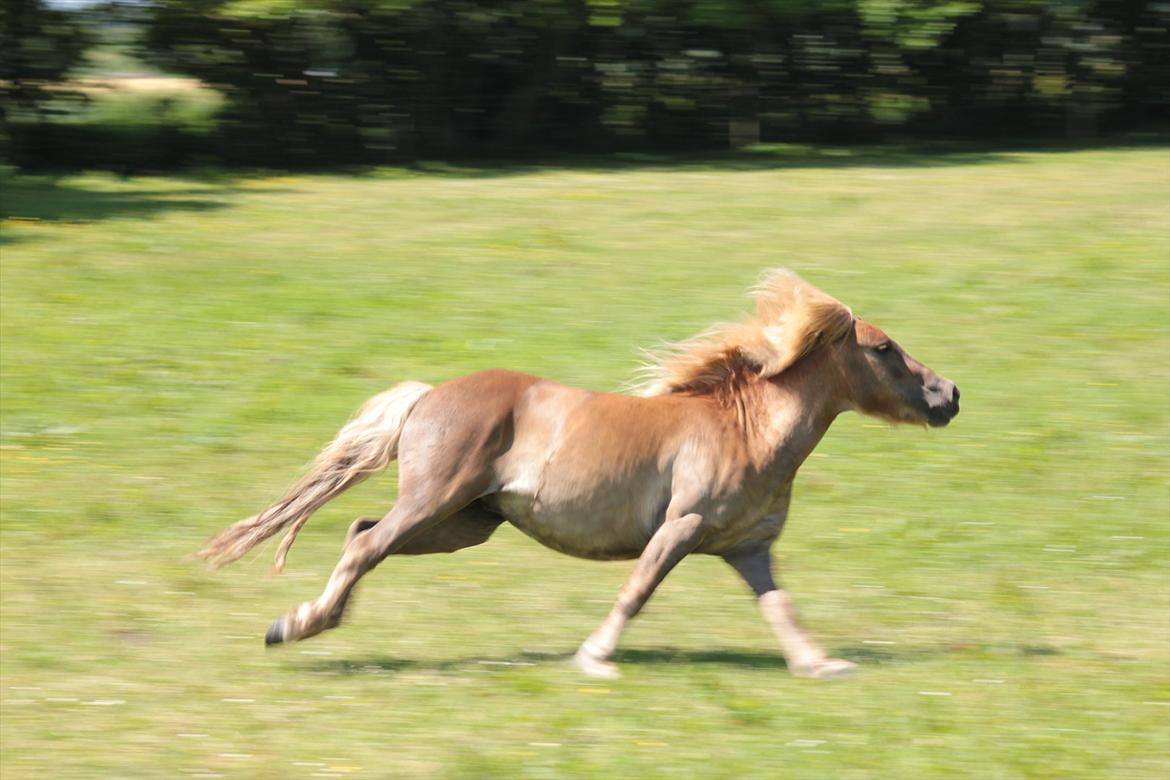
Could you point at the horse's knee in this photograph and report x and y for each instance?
(358, 527)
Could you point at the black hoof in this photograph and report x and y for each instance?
(275, 633)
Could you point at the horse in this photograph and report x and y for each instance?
(701, 460)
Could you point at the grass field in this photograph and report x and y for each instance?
(176, 349)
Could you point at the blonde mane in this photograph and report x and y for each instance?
(792, 319)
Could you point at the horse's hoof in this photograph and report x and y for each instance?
(828, 669)
(275, 633)
(595, 667)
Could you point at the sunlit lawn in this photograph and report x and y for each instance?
(176, 349)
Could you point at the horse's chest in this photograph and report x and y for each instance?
(749, 532)
(752, 518)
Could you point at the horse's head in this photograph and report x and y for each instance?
(883, 380)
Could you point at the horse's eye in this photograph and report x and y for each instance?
(883, 347)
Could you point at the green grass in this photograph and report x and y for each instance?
(175, 349)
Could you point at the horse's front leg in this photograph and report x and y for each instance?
(669, 545)
(805, 658)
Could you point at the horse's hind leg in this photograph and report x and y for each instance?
(446, 459)
(468, 527)
(368, 544)
(359, 526)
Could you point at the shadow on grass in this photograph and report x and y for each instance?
(61, 199)
(664, 656)
(47, 199)
(761, 157)
(55, 198)
(649, 657)
(347, 667)
(769, 157)
(862, 655)
(869, 655)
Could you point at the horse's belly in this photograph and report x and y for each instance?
(600, 536)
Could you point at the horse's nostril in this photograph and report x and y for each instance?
(955, 393)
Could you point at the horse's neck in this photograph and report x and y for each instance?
(792, 413)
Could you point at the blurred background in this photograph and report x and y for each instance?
(274, 82)
(224, 225)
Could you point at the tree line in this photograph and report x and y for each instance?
(385, 80)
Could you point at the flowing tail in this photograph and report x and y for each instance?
(365, 446)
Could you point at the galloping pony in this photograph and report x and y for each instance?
(702, 461)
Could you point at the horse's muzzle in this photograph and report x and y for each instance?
(942, 403)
